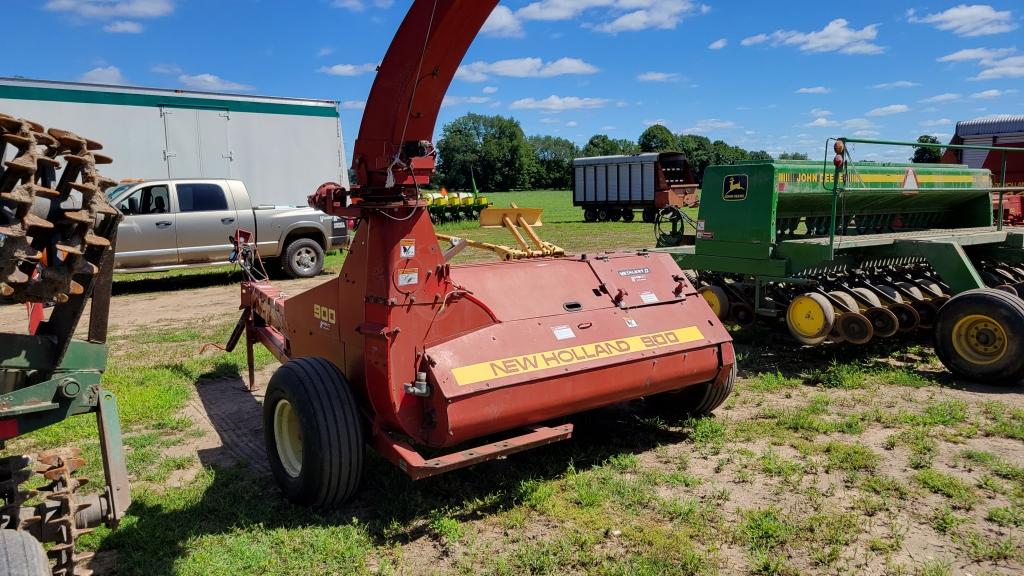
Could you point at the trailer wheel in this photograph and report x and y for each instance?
(979, 335)
(313, 433)
(603, 215)
(627, 215)
(590, 215)
(650, 214)
(614, 214)
(22, 554)
(303, 258)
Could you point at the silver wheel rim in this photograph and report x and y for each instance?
(288, 438)
(305, 259)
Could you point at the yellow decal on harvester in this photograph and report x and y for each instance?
(466, 375)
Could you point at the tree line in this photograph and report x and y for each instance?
(496, 152)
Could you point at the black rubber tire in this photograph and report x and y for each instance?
(650, 214)
(697, 400)
(333, 437)
(590, 215)
(603, 214)
(290, 258)
(22, 554)
(1007, 310)
(628, 215)
(614, 214)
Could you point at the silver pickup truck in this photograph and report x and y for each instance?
(182, 223)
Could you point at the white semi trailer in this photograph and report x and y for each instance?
(282, 148)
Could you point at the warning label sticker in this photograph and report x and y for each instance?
(408, 276)
(407, 247)
(563, 332)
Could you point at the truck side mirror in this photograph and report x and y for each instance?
(133, 205)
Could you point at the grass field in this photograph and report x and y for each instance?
(824, 461)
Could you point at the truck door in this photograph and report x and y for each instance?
(147, 236)
(206, 221)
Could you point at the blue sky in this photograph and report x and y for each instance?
(763, 75)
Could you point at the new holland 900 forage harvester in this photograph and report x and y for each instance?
(852, 251)
(404, 350)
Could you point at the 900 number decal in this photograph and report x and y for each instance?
(326, 316)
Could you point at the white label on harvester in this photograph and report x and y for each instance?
(563, 332)
(408, 276)
(408, 247)
(649, 297)
(630, 323)
(700, 225)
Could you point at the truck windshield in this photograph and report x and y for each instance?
(113, 192)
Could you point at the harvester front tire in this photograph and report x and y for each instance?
(979, 335)
(22, 554)
(303, 258)
(309, 401)
(698, 400)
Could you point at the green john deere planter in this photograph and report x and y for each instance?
(847, 251)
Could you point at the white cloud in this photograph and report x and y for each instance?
(166, 69)
(969, 20)
(108, 9)
(1006, 68)
(480, 71)
(103, 75)
(821, 122)
(617, 15)
(658, 77)
(896, 84)
(348, 69)
(503, 23)
(820, 112)
(123, 27)
(558, 103)
(550, 121)
(211, 83)
(858, 124)
(835, 36)
(945, 97)
(936, 122)
(571, 124)
(814, 90)
(708, 125)
(655, 122)
(460, 100)
(353, 104)
(993, 93)
(979, 54)
(359, 5)
(489, 89)
(325, 51)
(608, 128)
(866, 133)
(888, 110)
(718, 44)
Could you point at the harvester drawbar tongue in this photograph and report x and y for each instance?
(404, 350)
(861, 251)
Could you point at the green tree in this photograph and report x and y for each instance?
(761, 155)
(602, 145)
(658, 138)
(698, 151)
(553, 162)
(792, 156)
(495, 147)
(926, 154)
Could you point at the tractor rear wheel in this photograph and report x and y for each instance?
(979, 335)
(699, 399)
(22, 554)
(313, 433)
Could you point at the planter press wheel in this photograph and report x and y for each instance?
(979, 335)
(810, 318)
(906, 314)
(883, 321)
(717, 300)
(846, 299)
(742, 314)
(868, 296)
(313, 433)
(855, 328)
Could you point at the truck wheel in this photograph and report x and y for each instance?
(979, 335)
(590, 215)
(650, 214)
(303, 258)
(22, 554)
(699, 399)
(313, 433)
(627, 215)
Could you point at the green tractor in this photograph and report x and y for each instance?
(848, 252)
(56, 249)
